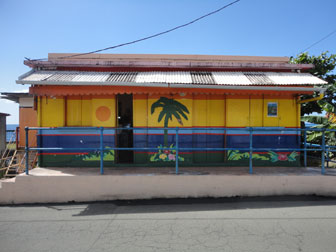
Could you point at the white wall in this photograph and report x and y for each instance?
(42, 189)
(26, 102)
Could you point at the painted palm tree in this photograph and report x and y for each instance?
(170, 108)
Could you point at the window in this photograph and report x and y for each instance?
(272, 109)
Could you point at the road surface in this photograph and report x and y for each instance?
(237, 224)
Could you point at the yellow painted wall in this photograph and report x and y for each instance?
(79, 112)
(204, 111)
(74, 112)
(153, 118)
(200, 112)
(216, 112)
(298, 115)
(237, 112)
(207, 111)
(140, 111)
(86, 112)
(251, 112)
(108, 104)
(288, 114)
(256, 113)
(51, 112)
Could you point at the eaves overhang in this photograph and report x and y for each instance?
(159, 78)
(167, 65)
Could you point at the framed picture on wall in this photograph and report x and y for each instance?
(272, 109)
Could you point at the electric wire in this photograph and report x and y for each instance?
(325, 37)
(145, 38)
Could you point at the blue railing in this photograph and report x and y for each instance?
(306, 146)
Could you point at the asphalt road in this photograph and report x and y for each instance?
(238, 224)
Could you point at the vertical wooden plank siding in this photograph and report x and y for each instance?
(204, 111)
(52, 112)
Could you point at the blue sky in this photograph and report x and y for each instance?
(250, 27)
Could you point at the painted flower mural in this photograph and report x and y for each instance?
(275, 157)
(165, 155)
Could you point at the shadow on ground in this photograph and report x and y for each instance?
(199, 204)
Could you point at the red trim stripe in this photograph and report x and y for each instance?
(74, 134)
(63, 153)
(263, 134)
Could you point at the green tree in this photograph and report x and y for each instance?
(324, 66)
(323, 122)
(170, 108)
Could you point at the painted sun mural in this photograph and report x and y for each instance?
(103, 113)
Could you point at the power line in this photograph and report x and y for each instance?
(145, 38)
(325, 37)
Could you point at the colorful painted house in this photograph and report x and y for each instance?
(200, 94)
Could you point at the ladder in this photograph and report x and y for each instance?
(16, 163)
(6, 154)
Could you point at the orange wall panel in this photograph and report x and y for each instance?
(27, 117)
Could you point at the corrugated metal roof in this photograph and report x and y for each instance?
(231, 78)
(74, 76)
(197, 78)
(164, 77)
(122, 77)
(259, 78)
(202, 78)
(91, 76)
(283, 78)
(39, 76)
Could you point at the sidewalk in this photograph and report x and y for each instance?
(265, 171)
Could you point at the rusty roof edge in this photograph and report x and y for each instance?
(160, 57)
(167, 64)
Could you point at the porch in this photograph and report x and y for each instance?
(184, 171)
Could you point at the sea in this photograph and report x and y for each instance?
(10, 130)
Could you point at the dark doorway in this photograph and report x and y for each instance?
(125, 122)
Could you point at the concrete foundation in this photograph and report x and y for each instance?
(58, 186)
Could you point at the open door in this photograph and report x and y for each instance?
(124, 135)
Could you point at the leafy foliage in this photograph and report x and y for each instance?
(315, 119)
(322, 122)
(324, 66)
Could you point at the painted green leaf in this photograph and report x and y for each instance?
(292, 156)
(260, 157)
